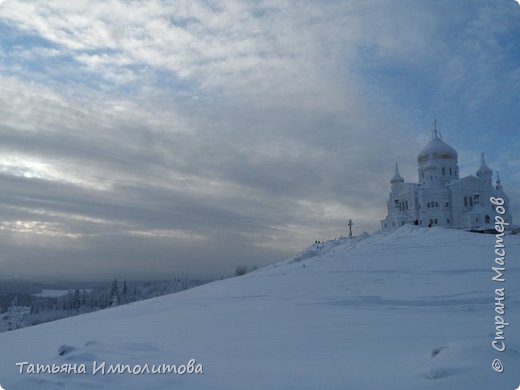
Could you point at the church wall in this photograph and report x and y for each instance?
(433, 206)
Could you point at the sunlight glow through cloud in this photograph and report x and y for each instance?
(32, 168)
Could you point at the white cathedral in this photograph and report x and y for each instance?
(441, 198)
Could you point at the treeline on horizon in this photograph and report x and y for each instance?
(20, 307)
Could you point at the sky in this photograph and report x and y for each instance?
(144, 139)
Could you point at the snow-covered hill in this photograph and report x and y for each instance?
(410, 309)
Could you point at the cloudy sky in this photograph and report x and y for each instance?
(148, 138)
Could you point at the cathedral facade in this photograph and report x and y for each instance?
(441, 198)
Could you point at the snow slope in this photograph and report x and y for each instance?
(410, 309)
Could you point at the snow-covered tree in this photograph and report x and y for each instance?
(114, 294)
(16, 315)
(77, 300)
(125, 292)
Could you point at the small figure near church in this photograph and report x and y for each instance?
(441, 198)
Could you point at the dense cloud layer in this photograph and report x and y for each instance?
(147, 138)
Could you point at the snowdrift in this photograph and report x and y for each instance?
(409, 309)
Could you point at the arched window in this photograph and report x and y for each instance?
(443, 170)
(436, 204)
(487, 219)
(447, 220)
(451, 172)
(436, 222)
(466, 201)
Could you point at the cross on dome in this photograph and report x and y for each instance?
(397, 177)
(499, 182)
(435, 131)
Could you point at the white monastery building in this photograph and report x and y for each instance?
(442, 198)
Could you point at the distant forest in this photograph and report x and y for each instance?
(21, 305)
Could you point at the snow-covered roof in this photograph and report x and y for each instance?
(437, 149)
(484, 170)
(397, 177)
